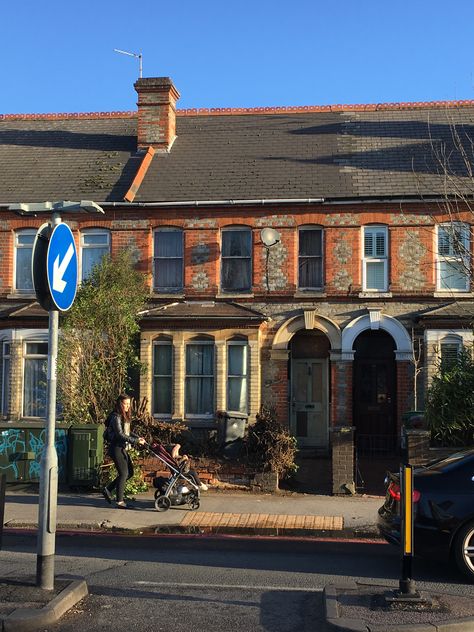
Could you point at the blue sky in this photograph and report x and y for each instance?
(57, 56)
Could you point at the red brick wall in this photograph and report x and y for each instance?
(203, 226)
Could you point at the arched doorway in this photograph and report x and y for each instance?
(309, 388)
(374, 392)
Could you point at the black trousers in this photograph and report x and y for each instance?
(124, 465)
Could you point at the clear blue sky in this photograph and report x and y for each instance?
(57, 56)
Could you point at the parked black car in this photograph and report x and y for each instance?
(443, 510)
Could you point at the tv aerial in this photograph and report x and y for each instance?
(138, 56)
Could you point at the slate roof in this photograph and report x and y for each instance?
(209, 310)
(463, 310)
(75, 158)
(347, 154)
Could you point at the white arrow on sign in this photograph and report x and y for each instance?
(59, 269)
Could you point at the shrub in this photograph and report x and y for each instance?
(270, 446)
(450, 403)
(151, 429)
(133, 486)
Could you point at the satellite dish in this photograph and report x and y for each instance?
(269, 237)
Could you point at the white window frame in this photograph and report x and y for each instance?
(17, 247)
(84, 246)
(244, 376)
(201, 342)
(168, 290)
(321, 257)
(462, 258)
(163, 343)
(32, 356)
(366, 259)
(5, 376)
(228, 229)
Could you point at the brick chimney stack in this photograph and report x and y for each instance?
(157, 98)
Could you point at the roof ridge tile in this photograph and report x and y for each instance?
(338, 107)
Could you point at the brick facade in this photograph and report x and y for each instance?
(274, 293)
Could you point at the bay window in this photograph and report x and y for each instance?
(199, 384)
(162, 378)
(237, 376)
(35, 379)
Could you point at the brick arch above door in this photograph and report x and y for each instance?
(376, 320)
(307, 320)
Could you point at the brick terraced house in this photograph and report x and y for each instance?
(317, 315)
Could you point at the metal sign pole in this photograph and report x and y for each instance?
(48, 493)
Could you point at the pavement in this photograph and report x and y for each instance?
(25, 607)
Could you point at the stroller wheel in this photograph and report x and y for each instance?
(194, 504)
(162, 503)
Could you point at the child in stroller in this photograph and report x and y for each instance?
(183, 485)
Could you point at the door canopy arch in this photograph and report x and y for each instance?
(375, 320)
(307, 321)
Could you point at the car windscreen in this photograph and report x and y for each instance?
(451, 462)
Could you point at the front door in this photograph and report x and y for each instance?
(374, 392)
(309, 398)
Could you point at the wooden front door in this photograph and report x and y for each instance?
(309, 398)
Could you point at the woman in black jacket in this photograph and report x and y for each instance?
(118, 443)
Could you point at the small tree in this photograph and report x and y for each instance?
(450, 402)
(98, 339)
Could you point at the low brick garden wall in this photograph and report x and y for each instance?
(216, 472)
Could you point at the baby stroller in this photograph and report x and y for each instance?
(178, 489)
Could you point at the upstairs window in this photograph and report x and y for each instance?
(35, 379)
(237, 376)
(310, 258)
(453, 261)
(95, 243)
(375, 260)
(168, 260)
(199, 397)
(236, 271)
(162, 378)
(4, 377)
(24, 240)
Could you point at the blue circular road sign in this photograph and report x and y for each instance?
(61, 266)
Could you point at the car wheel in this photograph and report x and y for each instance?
(464, 550)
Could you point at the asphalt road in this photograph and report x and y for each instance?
(208, 584)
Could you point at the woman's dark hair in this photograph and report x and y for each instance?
(119, 407)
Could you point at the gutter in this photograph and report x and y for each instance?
(258, 202)
(272, 201)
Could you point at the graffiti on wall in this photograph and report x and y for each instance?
(21, 450)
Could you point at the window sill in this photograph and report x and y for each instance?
(456, 293)
(200, 422)
(375, 295)
(235, 295)
(17, 295)
(167, 294)
(310, 294)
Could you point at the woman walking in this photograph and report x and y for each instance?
(118, 443)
